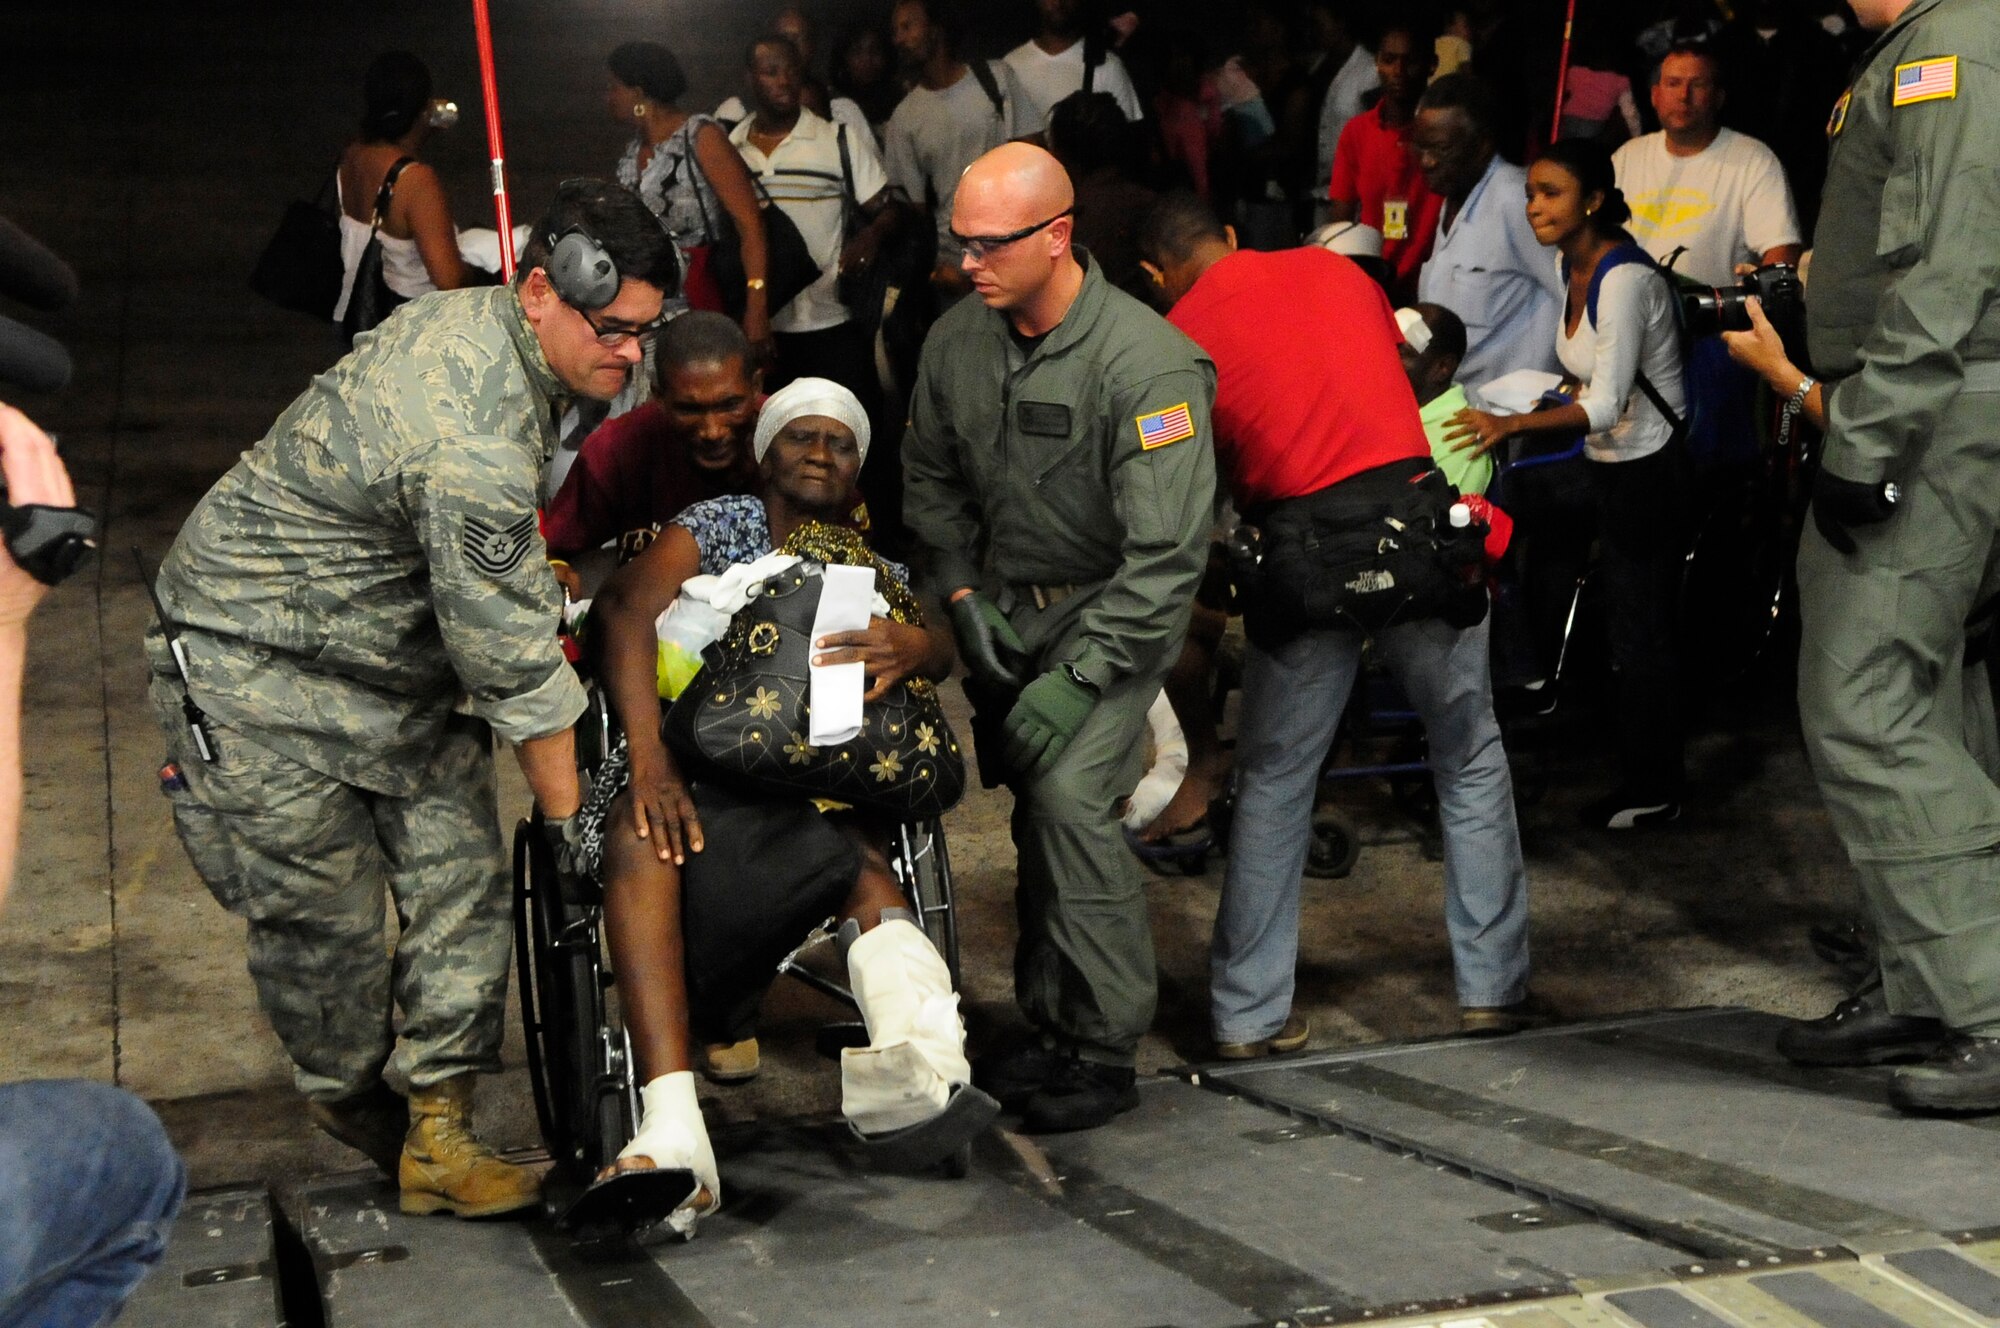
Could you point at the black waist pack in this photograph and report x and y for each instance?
(1375, 550)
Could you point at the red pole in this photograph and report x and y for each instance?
(483, 26)
(1562, 71)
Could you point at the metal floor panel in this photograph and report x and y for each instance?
(1688, 1126)
(220, 1268)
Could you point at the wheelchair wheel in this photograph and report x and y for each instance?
(925, 866)
(1335, 847)
(576, 1062)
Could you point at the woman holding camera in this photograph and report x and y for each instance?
(1619, 340)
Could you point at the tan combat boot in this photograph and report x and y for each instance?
(445, 1168)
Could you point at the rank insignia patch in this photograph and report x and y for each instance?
(1925, 80)
(1165, 426)
(497, 550)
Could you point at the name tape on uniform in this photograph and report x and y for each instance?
(1925, 80)
(1165, 426)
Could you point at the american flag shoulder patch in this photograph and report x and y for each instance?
(1165, 426)
(1925, 80)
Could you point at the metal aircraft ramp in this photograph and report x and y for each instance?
(1657, 1171)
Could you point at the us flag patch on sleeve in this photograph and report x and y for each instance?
(1166, 426)
(1925, 80)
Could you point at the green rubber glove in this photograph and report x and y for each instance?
(992, 649)
(1039, 727)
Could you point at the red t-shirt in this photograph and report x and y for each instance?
(1309, 385)
(1374, 167)
(632, 474)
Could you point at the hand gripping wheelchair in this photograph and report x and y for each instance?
(580, 1060)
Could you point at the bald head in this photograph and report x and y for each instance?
(1014, 185)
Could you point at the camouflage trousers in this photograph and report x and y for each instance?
(311, 863)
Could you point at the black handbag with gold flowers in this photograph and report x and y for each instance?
(744, 719)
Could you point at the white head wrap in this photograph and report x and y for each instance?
(1348, 237)
(1415, 330)
(810, 396)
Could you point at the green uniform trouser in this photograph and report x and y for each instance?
(1083, 970)
(309, 862)
(1900, 730)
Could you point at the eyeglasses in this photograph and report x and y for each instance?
(611, 338)
(981, 247)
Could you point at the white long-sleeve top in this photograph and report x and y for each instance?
(1635, 331)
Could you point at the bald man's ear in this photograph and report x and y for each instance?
(1061, 235)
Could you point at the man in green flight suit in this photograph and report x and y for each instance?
(1061, 479)
(356, 608)
(1904, 326)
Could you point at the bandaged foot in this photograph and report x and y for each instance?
(672, 1135)
(916, 1043)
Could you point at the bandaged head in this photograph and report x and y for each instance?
(810, 396)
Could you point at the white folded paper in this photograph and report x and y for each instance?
(845, 604)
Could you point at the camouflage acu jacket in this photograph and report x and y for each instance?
(375, 557)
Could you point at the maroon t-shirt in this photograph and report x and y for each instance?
(632, 474)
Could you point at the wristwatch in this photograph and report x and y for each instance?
(1075, 675)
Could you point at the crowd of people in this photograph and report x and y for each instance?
(1046, 343)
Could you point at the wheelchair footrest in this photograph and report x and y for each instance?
(927, 1143)
(630, 1199)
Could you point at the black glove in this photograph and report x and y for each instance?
(1840, 503)
(564, 838)
(993, 651)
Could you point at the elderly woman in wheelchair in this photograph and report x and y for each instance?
(695, 924)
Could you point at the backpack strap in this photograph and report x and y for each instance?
(990, 84)
(1617, 258)
(1093, 57)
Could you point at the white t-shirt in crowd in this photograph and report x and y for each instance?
(1728, 203)
(935, 134)
(803, 176)
(1046, 79)
(1635, 333)
(1351, 82)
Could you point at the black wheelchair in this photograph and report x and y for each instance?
(580, 1061)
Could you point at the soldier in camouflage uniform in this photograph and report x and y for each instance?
(362, 601)
(1904, 327)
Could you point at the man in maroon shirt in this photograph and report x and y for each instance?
(690, 442)
(1310, 392)
(1375, 177)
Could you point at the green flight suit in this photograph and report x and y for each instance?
(1074, 480)
(1904, 327)
(363, 599)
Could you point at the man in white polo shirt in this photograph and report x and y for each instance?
(1055, 61)
(1719, 194)
(797, 157)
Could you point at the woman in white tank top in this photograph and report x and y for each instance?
(419, 244)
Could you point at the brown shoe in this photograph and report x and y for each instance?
(445, 1168)
(1500, 1020)
(372, 1122)
(730, 1062)
(1292, 1037)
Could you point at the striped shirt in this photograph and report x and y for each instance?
(802, 175)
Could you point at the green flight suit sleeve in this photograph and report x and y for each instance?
(1941, 205)
(471, 502)
(939, 504)
(1165, 499)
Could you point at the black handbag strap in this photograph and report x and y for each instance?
(850, 202)
(991, 86)
(388, 190)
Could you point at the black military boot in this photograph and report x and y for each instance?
(1964, 1076)
(1080, 1095)
(1012, 1075)
(1860, 1032)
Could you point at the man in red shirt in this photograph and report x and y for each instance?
(1310, 391)
(690, 442)
(1375, 177)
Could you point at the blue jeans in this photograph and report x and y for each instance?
(1292, 700)
(88, 1188)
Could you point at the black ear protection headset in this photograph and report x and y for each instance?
(580, 269)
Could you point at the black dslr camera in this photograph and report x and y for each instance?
(1707, 310)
